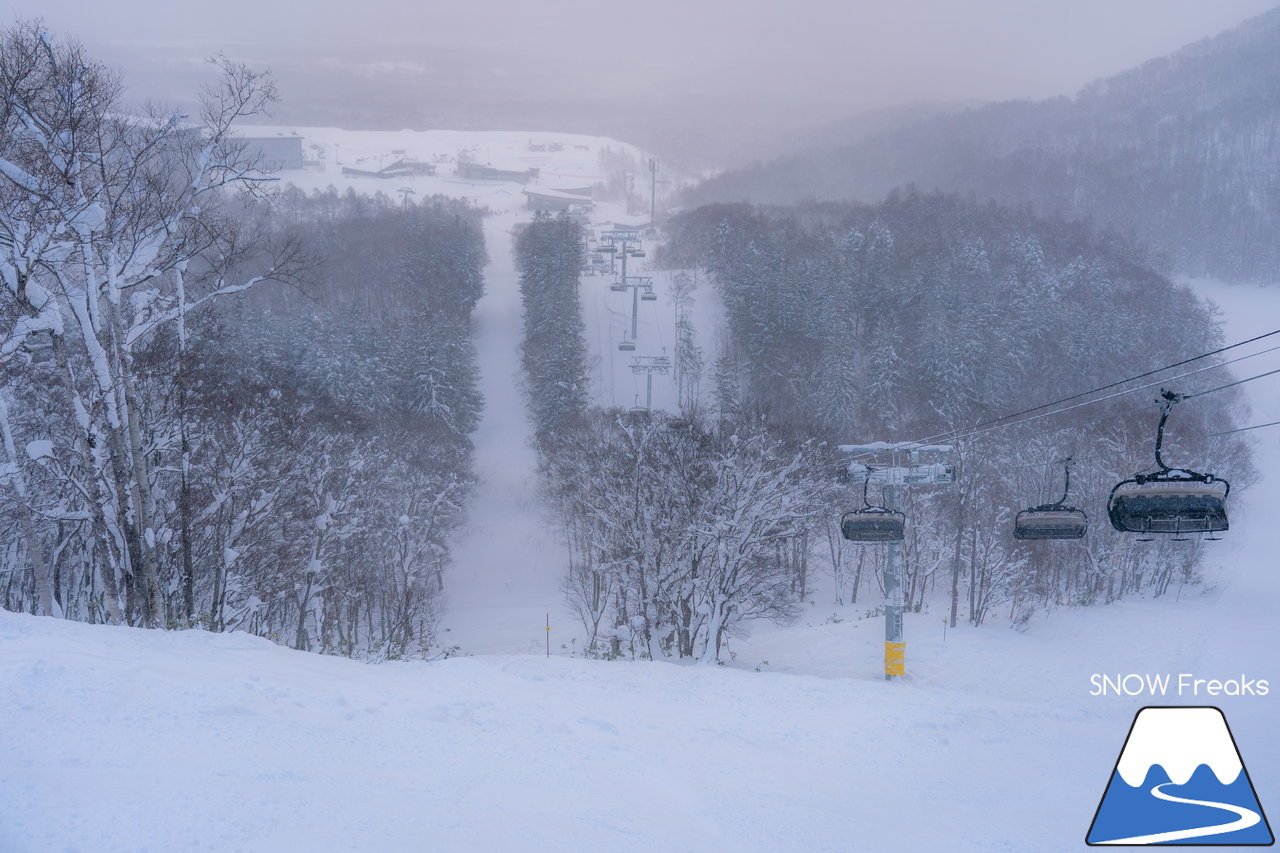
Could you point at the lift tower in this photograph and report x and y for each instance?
(624, 242)
(641, 287)
(908, 464)
(649, 365)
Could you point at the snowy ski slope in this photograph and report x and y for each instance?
(115, 739)
(505, 578)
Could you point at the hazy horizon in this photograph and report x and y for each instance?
(712, 75)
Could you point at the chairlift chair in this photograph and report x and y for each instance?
(1052, 521)
(617, 287)
(637, 253)
(873, 523)
(627, 345)
(1175, 501)
(648, 296)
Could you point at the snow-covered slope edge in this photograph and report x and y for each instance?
(124, 740)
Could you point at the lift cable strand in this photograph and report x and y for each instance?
(1241, 429)
(1232, 384)
(978, 427)
(959, 434)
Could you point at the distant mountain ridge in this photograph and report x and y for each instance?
(1181, 153)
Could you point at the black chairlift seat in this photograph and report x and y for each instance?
(617, 287)
(648, 296)
(1050, 521)
(873, 524)
(627, 346)
(637, 253)
(1174, 501)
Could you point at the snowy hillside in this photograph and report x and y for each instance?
(348, 502)
(124, 740)
(1170, 151)
(118, 739)
(508, 564)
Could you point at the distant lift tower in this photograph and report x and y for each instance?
(620, 243)
(908, 464)
(649, 365)
(641, 287)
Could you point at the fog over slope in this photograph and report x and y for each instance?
(714, 83)
(1179, 152)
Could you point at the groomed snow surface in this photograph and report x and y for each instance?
(116, 739)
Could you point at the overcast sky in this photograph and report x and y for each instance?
(884, 51)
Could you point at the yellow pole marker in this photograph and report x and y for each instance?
(895, 658)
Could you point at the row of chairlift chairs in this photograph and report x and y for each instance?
(627, 344)
(1177, 502)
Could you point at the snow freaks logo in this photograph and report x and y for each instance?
(1180, 780)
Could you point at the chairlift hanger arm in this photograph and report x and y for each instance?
(1066, 488)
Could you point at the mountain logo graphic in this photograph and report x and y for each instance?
(1180, 780)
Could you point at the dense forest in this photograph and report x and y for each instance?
(360, 393)
(920, 317)
(222, 406)
(1179, 153)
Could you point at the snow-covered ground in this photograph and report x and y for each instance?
(575, 164)
(116, 739)
(504, 582)
(123, 740)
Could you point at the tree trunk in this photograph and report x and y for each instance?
(35, 551)
(93, 486)
(857, 577)
(184, 505)
(144, 500)
(956, 562)
(973, 575)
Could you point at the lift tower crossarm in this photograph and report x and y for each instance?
(900, 447)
